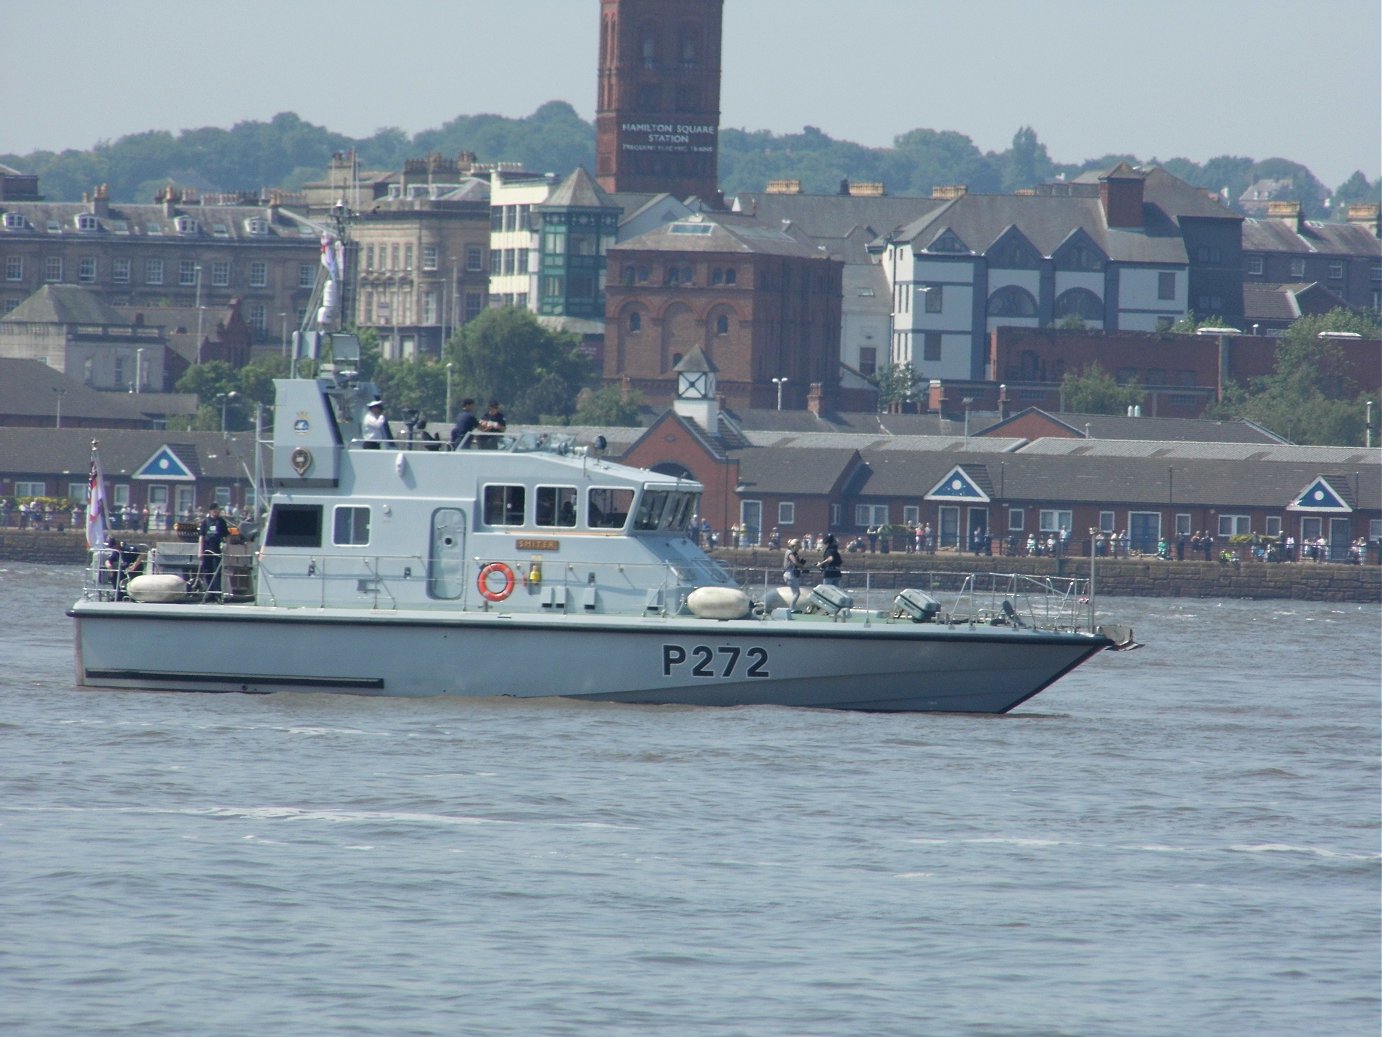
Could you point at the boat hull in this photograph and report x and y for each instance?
(878, 666)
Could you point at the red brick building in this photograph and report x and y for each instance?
(1182, 374)
(657, 120)
(760, 304)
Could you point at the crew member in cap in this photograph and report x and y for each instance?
(493, 425)
(211, 536)
(376, 426)
(466, 423)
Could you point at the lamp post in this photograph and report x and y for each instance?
(1367, 435)
(138, 370)
(198, 270)
(449, 366)
(779, 382)
(284, 318)
(60, 393)
(225, 398)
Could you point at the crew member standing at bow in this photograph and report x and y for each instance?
(211, 537)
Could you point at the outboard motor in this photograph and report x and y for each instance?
(918, 606)
(830, 600)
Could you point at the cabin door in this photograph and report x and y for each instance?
(446, 556)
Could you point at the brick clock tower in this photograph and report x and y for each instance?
(657, 120)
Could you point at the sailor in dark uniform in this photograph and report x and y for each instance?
(211, 537)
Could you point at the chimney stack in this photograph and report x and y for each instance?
(1369, 216)
(1120, 193)
(1287, 212)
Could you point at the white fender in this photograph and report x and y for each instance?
(163, 588)
(718, 603)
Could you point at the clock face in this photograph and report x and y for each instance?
(693, 385)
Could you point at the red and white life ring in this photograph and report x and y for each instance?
(483, 581)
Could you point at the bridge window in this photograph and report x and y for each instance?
(504, 505)
(351, 526)
(556, 506)
(294, 525)
(608, 507)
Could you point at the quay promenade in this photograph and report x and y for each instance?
(1145, 576)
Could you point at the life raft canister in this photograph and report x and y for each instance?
(483, 581)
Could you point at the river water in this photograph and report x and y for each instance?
(1183, 839)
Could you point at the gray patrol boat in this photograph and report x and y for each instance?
(526, 566)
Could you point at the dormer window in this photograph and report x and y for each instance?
(87, 222)
(15, 221)
(257, 225)
(186, 225)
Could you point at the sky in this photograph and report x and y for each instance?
(1296, 79)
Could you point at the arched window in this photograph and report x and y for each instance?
(717, 276)
(729, 275)
(1012, 301)
(627, 275)
(1079, 302)
(635, 321)
(722, 324)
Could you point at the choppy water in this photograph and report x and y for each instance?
(1180, 840)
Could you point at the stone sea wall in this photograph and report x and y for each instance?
(1130, 577)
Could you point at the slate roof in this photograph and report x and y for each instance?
(728, 233)
(1314, 238)
(43, 451)
(579, 191)
(1348, 456)
(813, 472)
(979, 220)
(65, 304)
(213, 222)
(28, 391)
(864, 288)
(1288, 302)
(1075, 478)
(869, 422)
(1118, 426)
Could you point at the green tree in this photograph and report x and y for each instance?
(611, 407)
(895, 384)
(505, 354)
(1355, 190)
(1310, 396)
(415, 385)
(1094, 391)
(1025, 163)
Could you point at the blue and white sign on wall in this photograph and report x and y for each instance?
(1320, 496)
(164, 465)
(958, 486)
